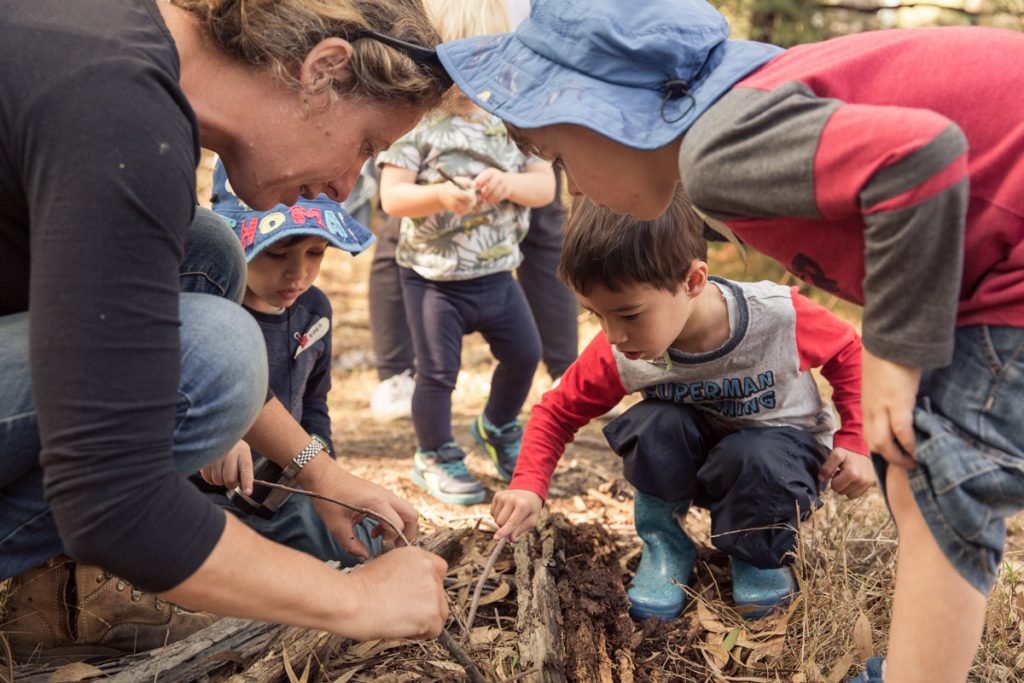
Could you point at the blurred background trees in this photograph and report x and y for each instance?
(789, 22)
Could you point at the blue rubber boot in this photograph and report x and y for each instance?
(873, 669)
(757, 592)
(668, 554)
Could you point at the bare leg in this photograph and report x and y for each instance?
(937, 616)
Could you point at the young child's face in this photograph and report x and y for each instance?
(620, 178)
(280, 274)
(641, 321)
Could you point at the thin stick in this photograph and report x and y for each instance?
(480, 584)
(445, 638)
(453, 180)
(461, 657)
(355, 508)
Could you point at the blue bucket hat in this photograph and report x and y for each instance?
(639, 73)
(257, 230)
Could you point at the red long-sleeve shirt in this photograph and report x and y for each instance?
(759, 378)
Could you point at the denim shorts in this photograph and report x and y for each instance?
(970, 449)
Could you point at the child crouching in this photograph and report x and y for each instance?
(731, 420)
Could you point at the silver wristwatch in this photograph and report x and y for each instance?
(303, 458)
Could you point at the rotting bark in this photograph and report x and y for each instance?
(538, 621)
(596, 631)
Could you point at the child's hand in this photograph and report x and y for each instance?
(455, 199)
(888, 395)
(515, 510)
(851, 473)
(234, 469)
(493, 186)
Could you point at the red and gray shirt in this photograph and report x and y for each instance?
(885, 167)
(759, 378)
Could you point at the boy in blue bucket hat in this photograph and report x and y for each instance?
(868, 170)
(284, 248)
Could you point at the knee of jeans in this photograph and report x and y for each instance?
(214, 253)
(224, 360)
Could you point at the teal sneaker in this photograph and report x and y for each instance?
(444, 475)
(501, 443)
(756, 592)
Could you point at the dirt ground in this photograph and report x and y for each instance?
(845, 563)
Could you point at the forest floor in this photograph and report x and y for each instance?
(845, 562)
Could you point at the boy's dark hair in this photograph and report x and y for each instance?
(616, 250)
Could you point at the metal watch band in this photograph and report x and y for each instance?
(304, 456)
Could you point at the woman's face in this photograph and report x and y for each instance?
(306, 151)
(626, 180)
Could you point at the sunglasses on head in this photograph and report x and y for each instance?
(422, 55)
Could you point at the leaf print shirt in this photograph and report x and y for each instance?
(444, 246)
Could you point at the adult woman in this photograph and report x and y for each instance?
(106, 103)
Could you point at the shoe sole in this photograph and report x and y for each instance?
(474, 429)
(755, 609)
(452, 498)
(645, 612)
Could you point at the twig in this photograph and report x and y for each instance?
(8, 659)
(355, 508)
(460, 655)
(444, 638)
(453, 180)
(480, 584)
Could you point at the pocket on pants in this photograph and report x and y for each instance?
(972, 489)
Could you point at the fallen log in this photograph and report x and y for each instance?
(539, 618)
(236, 650)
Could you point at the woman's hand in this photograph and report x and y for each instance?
(888, 397)
(515, 510)
(324, 476)
(401, 595)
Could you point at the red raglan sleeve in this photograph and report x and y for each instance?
(588, 389)
(824, 341)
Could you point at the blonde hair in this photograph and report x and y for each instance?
(278, 34)
(458, 19)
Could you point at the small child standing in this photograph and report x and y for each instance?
(731, 418)
(463, 192)
(284, 248)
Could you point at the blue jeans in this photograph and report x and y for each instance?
(215, 407)
(970, 449)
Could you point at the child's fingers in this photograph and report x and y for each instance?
(245, 474)
(829, 467)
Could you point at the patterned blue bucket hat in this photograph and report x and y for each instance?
(257, 230)
(639, 73)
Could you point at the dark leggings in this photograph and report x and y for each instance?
(752, 480)
(439, 315)
(554, 306)
(392, 343)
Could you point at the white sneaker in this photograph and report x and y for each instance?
(392, 399)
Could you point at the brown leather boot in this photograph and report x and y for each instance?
(63, 610)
